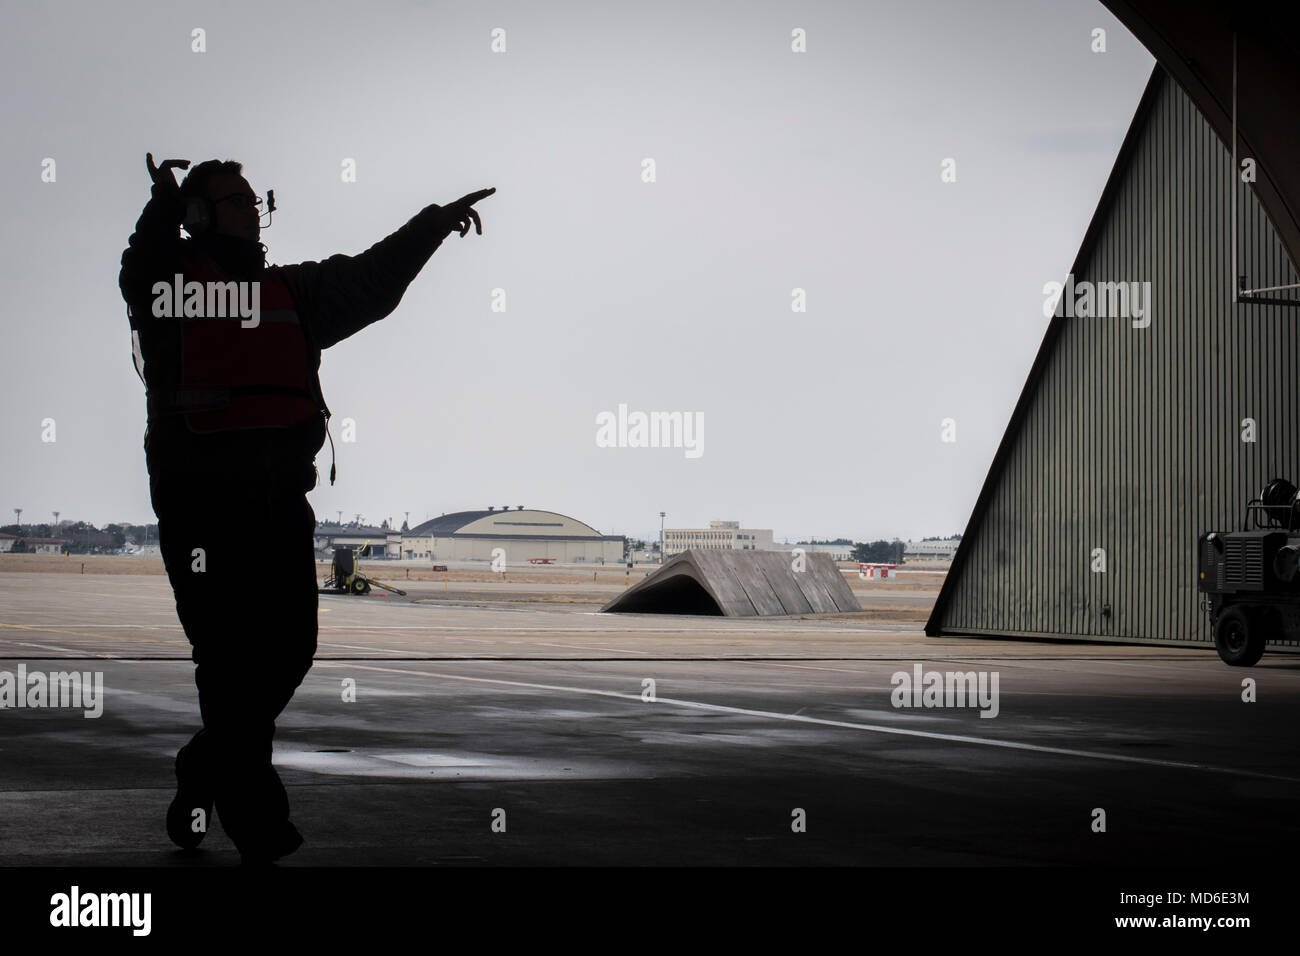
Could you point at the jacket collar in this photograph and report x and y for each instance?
(239, 258)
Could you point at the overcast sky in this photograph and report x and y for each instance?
(774, 171)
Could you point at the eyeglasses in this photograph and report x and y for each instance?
(241, 200)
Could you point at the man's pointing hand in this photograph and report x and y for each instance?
(458, 216)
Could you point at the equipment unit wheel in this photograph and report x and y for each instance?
(359, 586)
(1239, 637)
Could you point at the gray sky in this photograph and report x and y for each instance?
(775, 170)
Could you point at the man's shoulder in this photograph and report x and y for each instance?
(296, 277)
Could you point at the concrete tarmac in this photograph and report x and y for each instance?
(541, 717)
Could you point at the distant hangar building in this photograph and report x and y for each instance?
(524, 534)
(1135, 435)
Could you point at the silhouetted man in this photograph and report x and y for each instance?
(228, 348)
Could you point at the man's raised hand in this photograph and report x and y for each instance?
(163, 174)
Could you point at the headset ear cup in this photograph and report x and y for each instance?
(198, 216)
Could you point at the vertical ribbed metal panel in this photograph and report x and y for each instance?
(1129, 439)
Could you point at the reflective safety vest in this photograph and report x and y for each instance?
(232, 377)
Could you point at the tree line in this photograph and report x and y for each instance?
(879, 552)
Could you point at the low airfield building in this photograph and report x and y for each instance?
(941, 549)
(31, 544)
(384, 542)
(839, 551)
(718, 536)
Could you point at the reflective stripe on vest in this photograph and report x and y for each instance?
(233, 377)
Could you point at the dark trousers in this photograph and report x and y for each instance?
(249, 612)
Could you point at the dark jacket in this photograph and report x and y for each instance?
(334, 299)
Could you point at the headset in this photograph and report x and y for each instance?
(201, 213)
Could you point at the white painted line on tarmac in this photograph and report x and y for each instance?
(588, 647)
(810, 667)
(361, 647)
(48, 647)
(141, 627)
(384, 633)
(796, 718)
(570, 629)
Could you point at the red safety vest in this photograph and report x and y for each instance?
(233, 377)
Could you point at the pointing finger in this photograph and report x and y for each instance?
(474, 197)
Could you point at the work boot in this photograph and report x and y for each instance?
(265, 852)
(192, 793)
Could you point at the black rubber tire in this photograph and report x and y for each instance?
(1238, 637)
(359, 586)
